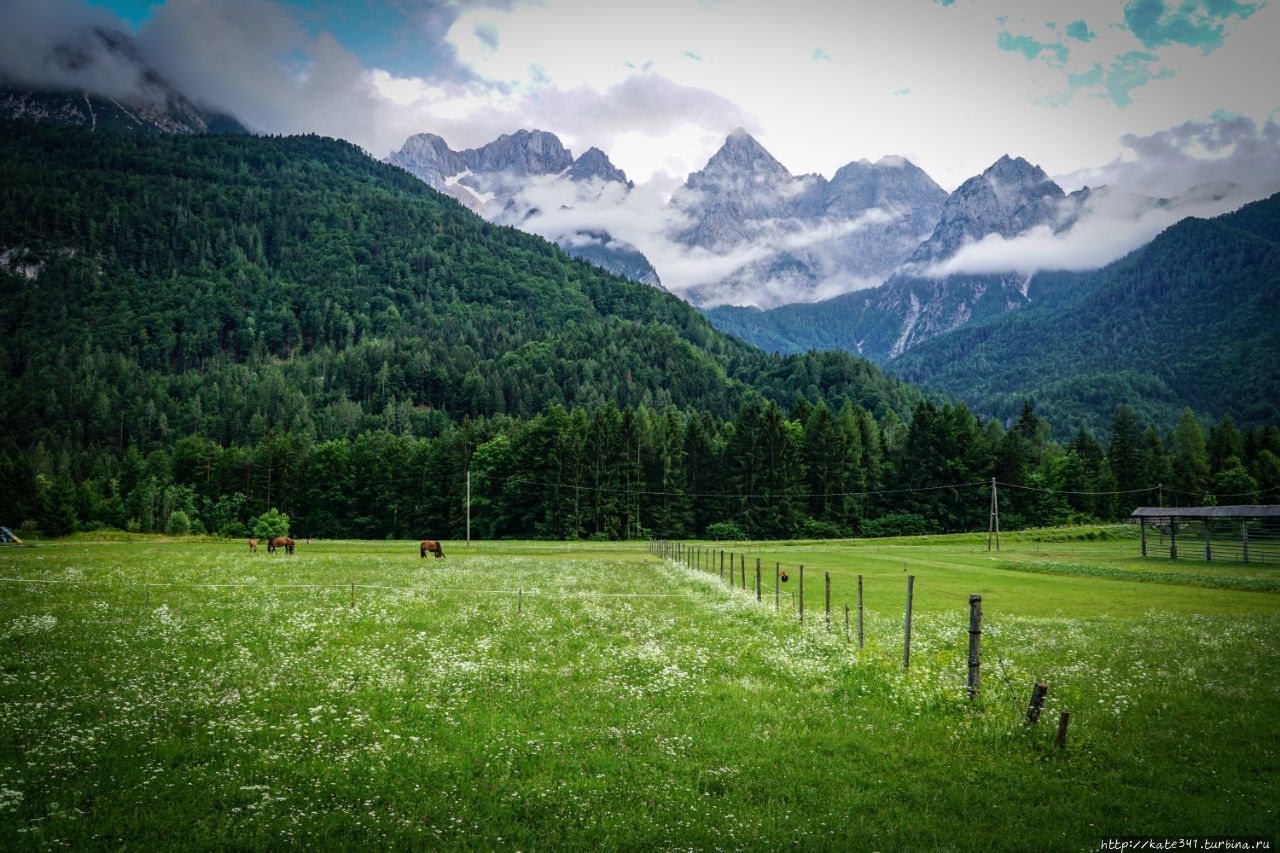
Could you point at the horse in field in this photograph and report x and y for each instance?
(280, 542)
(430, 546)
(253, 546)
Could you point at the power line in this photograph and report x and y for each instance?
(1070, 492)
(567, 486)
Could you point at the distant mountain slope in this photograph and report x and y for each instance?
(1192, 319)
(147, 282)
(882, 323)
(153, 105)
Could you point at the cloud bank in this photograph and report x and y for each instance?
(1199, 168)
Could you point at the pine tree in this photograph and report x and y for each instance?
(1190, 460)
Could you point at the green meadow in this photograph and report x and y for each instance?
(530, 695)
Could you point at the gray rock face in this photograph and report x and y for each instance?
(817, 237)
(523, 153)
(881, 323)
(594, 165)
(152, 106)
(1010, 197)
(490, 180)
(501, 169)
(430, 158)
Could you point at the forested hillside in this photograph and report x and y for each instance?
(200, 330)
(235, 286)
(1192, 319)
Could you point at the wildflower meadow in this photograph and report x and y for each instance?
(184, 693)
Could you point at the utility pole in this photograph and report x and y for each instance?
(468, 507)
(993, 525)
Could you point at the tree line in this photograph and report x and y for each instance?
(617, 473)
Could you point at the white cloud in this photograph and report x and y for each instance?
(1112, 224)
(51, 43)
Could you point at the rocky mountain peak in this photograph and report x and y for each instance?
(525, 152)
(891, 183)
(594, 164)
(429, 157)
(740, 161)
(1008, 198)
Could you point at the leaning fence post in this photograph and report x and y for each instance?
(859, 611)
(757, 580)
(975, 644)
(1062, 728)
(1037, 701)
(906, 636)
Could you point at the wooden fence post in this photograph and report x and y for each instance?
(906, 636)
(721, 564)
(846, 623)
(1062, 728)
(519, 601)
(353, 595)
(860, 611)
(827, 576)
(744, 571)
(757, 580)
(802, 592)
(975, 644)
(1037, 701)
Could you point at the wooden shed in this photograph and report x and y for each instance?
(1247, 534)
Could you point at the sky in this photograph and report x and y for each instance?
(1153, 95)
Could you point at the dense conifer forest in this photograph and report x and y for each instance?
(200, 329)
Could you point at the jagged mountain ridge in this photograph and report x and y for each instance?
(1009, 198)
(921, 302)
(913, 305)
(153, 105)
(816, 236)
(490, 181)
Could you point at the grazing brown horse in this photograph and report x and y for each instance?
(253, 546)
(429, 546)
(280, 542)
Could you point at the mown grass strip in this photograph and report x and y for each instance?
(1141, 576)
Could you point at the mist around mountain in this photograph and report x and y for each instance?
(741, 229)
(500, 181)
(801, 237)
(142, 102)
(1190, 320)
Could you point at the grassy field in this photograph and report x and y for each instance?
(543, 695)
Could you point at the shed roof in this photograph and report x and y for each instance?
(1241, 511)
